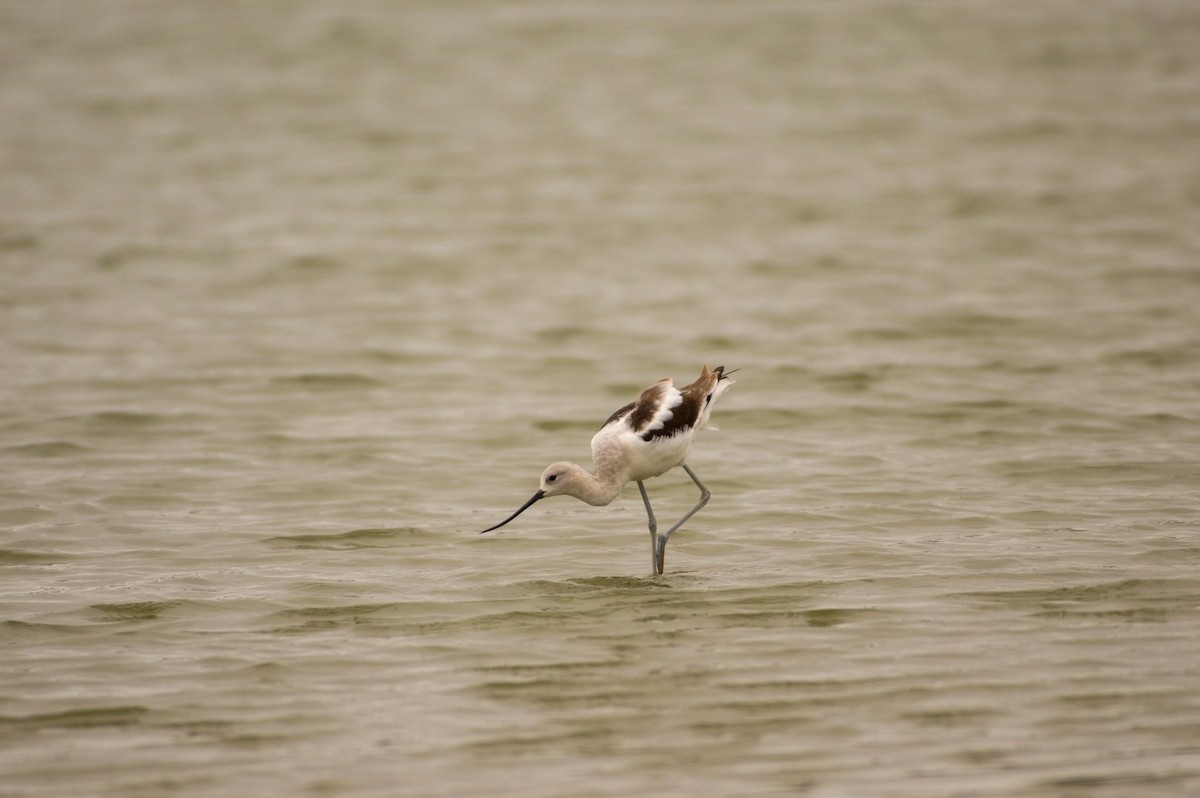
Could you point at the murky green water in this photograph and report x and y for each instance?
(297, 297)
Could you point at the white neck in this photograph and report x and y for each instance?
(596, 489)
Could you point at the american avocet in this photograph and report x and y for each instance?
(643, 439)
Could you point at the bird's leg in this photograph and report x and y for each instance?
(660, 549)
(705, 495)
(649, 510)
(653, 528)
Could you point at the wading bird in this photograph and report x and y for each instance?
(643, 439)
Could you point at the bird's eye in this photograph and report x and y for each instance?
(552, 477)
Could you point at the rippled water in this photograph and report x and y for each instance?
(298, 297)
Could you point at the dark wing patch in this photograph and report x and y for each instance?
(695, 399)
(648, 407)
(682, 418)
(618, 415)
(643, 414)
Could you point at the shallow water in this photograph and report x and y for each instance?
(298, 299)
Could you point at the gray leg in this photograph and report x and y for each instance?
(653, 523)
(660, 541)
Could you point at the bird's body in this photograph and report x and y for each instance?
(644, 439)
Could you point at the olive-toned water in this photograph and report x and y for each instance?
(296, 297)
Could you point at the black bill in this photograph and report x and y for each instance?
(523, 508)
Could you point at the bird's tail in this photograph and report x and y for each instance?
(722, 374)
(715, 389)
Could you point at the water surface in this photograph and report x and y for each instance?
(298, 298)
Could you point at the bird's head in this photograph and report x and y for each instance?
(559, 478)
